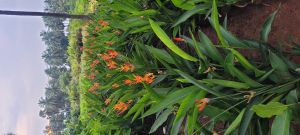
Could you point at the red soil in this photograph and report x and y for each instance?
(247, 22)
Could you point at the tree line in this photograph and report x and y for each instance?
(55, 105)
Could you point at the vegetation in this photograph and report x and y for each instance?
(146, 67)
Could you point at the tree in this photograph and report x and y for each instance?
(58, 15)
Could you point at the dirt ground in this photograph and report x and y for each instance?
(246, 22)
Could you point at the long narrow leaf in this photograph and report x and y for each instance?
(169, 43)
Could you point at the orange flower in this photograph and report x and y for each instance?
(111, 64)
(201, 103)
(115, 85)
(105, 56)
(94, 87)
(103, 23)
(138, 79)
(112, 53)
(121, 107)
(97, 28)
(92, 76)
(126, 67)
(107, 101)
(179, 39)
(94, 63)
(128, 82)
(148, 78)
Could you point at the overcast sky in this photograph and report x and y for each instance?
(22, 78)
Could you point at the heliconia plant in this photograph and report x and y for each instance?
(138, 78)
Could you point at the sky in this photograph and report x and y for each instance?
(22, 77)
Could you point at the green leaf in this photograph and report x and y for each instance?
(189, 13)
(160, 120)
(169, 43)
(197, 47)
(231, 39)
(187, 5)
(235, 123)
(281, 124)
(266, 75)
(176, 126)
(226, 83)
(192, 43)
(243, 77)
(216, 113)
(246, 63)
(198, 84)
(211, 50)
(292, 98)
(269, 110)
(171, 99)
(138, 105)
(156, 96)
(248, 116)
(187, 103)
(215, 22)
(193, 116)
(161, 54)
(148, 12)
(267, 27)
(280, 66)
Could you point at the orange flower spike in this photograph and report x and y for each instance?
(105, 24)
(121, 107)
(112, 53)
(94, 63)
(94, 87)
(149, 78)
(105, 56)
(179, 39)
(107, 101)
(202, 103)
(128, 82)
(138, 79)
(97, 28)
(100, 21)
(111, 64)
(127, 67)
(92, 76)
